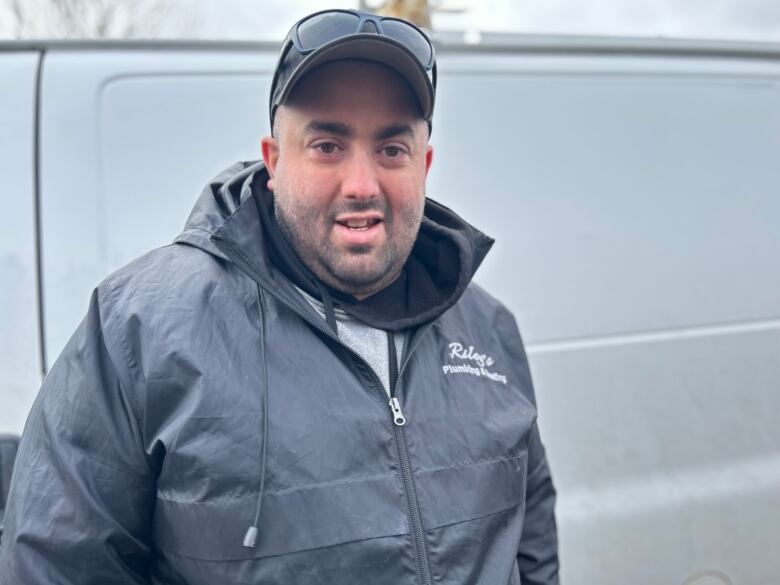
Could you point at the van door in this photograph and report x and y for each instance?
(20, 369)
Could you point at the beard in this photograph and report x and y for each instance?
(359, 270)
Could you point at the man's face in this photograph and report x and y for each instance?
(348, 168)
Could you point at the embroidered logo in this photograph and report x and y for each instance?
(471, 362)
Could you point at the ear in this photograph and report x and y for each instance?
(428, 159)
(270, 149)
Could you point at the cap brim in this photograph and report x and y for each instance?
(370, 47)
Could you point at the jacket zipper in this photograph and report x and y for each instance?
(398, 418)
(403, 456)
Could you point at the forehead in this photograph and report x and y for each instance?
(354, 89)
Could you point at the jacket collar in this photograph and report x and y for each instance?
(225, 222)
(226, 206)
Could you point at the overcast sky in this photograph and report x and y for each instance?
(726, 19)
(270, 19)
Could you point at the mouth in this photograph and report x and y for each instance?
(359, 230)
(359, 224)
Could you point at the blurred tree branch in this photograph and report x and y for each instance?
(94, 18)
(416, 11)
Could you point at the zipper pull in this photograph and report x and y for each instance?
(395, 408)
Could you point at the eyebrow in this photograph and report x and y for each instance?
(395, 130)
(341, 129)
(336, 128)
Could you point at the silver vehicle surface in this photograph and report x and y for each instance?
(632, 187)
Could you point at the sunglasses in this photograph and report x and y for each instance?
(320, 28)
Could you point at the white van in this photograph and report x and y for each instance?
(633, 188)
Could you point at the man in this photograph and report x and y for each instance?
(305, 387)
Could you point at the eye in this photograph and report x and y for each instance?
(393, 151)
(326, 147)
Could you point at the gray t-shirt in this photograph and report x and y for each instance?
(368, 342)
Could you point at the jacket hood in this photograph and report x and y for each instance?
(219, 200)
(230, 221)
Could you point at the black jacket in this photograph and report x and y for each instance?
(202, 395)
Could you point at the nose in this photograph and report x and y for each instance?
(360, 180)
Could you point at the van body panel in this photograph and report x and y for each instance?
(625, 195)
(126, 147)
(20, 368)
(666, 453)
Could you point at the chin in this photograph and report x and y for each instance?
(358, 282)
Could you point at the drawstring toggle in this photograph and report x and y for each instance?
(250, 538)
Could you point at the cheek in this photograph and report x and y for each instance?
(304, 180)
(302, 204)
(408, 196)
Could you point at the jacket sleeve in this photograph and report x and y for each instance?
(82, 493)
(537, 555)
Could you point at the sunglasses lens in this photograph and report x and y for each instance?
(411, 38)
(323, 28)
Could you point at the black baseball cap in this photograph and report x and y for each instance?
(332, 35)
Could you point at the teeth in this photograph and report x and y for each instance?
(357, 224)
